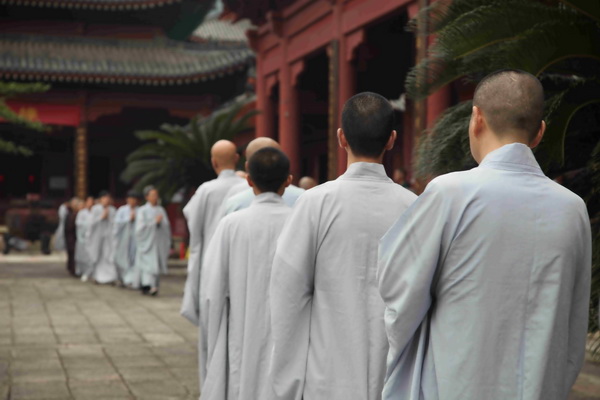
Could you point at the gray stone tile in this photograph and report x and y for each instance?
(162, 339)
(92, 389)
(33, 364)
(137, 361)
(78, 339)
(75, 363)
(140, 374)
(39, 390)
(93, 374)
(39, 375)
(158, 389)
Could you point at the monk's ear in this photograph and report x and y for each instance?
(390, 143)
(538, 136)
(288, 182)
(249, 180)
(342, 139)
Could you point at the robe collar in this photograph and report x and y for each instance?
(366, 170)
(226, 173)
(512, 157)
(268, 198)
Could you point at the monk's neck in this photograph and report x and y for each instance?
(354, 159)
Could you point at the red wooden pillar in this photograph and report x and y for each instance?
(437, 103)
(289, 115)
(81, 161)
(261, 100)
(347, 81)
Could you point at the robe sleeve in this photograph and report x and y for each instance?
(291, 291)
(93, 233)
(145, 230)
(578, 324)
(190, 303)
(163, 240)
(214, 306)
(409, 256)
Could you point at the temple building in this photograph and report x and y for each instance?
(114, 67)
(311, 56)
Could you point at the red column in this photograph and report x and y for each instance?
(262, 100)
(437, 103)
(347, 82)
(289, 116)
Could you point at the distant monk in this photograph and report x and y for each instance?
(307, 182)
(153, 240)
(486, 278)
(241, 195)
(201, 214)
(235, 285)
(124, 237)
(70, 233)
(83, 261)
(59, 234)
(329, 338)
(100, 240)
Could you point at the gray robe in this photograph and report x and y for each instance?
(152, 244)
(486, 280)
(244, 198)
(59, 235)
(83, 261)
(202, 215)
(124, 237)
(235, 300)
(100, 244)
(328, 333)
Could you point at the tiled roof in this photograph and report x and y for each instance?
(109, 5)
(222, 31)
(76, 59)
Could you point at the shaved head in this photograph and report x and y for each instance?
(512, 102)
(307, 182)
(260, 143)
(223, 155)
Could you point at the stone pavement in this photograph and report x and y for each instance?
(63, 339)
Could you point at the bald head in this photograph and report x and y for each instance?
(260, 143)
(223, 155)
(512, 103)
(307, 182)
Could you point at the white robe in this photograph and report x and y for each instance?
(124, 237)
(202, 215)
(100, 244)
(235, 300)
(328, 333)
(152, 244)
(83, 261)
(486, 280)
(59, 235)
(244, 198)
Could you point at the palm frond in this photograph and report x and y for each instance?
(445, 148)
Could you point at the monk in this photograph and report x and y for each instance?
(486, 278)
(100, 241)
(235, 286)
(152, 242)
(70, 233)
(241, 195)
(124, 237)
(202, 215)
(307, 182)
(328, 332)
(83, 260)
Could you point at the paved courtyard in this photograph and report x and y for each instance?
(63, 339)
